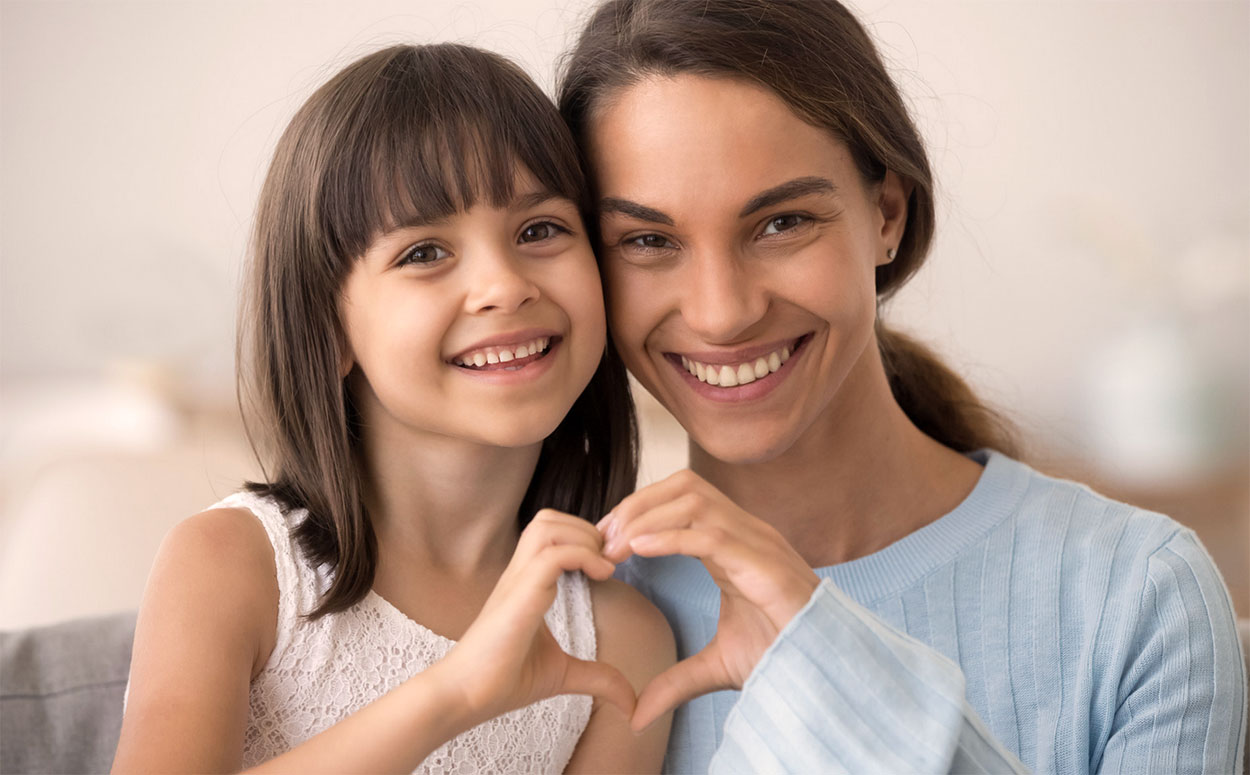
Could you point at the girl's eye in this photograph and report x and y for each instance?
(425, 253)
(649, 242)
(783, 223)
(543, 230)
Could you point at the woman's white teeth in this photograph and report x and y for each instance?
(487, 355)
(729, 375)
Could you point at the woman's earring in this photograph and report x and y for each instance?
(891, 253)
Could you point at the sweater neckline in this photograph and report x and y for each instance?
(891, 569)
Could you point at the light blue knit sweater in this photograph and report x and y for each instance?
(1037, 623)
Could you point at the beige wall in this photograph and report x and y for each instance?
(1091, 275)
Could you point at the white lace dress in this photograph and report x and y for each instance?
(323, 670)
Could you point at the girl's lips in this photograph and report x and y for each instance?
(519, 370)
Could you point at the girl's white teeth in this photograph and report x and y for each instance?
(741, 374)
(487, 355)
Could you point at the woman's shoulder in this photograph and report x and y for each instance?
(1053, 508)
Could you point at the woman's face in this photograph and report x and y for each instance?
(739, 247)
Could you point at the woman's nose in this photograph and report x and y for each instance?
(498, 282)
(720, 298)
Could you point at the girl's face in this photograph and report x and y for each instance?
(739, 247)
(485, 326)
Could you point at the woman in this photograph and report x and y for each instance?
(854, 549)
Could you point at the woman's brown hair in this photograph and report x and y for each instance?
(818, 59)
(407, 131)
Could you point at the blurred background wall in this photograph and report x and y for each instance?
(1091, 274)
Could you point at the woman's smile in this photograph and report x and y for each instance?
(747, 374)
(739, 250)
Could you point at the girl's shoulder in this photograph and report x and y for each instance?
(631, 632)
(226, 552)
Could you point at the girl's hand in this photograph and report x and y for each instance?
(508, 658)
(763, 581)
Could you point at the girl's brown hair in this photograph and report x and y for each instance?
(816, 57)
(407, 131)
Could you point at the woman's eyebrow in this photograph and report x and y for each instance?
(791, 189)
(611, 204)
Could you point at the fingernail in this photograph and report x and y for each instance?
(642, 542)
(605, 524)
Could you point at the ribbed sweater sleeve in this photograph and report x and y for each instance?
(840, 691)
(1182, 701)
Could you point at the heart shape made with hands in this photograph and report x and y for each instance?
(763, 581)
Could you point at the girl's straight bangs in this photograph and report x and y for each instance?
(422, 145)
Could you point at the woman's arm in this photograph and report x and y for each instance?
(1182, 700)
(884, 701)
(831, 687)
(634, 636)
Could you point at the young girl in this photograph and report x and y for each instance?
(428, 350)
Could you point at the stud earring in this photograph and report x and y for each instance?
(891, 253)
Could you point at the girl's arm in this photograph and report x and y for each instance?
(633, 635)
(207, 626)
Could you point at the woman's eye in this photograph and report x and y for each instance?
(543, 230)
(426, 253)
(649, 242)
(782, 223)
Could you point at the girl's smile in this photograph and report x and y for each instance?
(508, 358)
(483, 326)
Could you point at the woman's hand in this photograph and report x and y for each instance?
(763, 581)
(508, 658)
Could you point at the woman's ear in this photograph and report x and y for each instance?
(893, 193)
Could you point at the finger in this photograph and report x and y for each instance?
(529, 584)
(692, 542)
(599, 680)
(682, 682)
(647, 498)
(670, 515)
(556, 559)
(551, 527)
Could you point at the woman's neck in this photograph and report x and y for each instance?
(859, 479)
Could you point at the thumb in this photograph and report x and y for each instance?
(692, 677)
(600, 680)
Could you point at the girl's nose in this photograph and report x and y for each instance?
(720, 299)
(498, 283)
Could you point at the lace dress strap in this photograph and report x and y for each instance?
(299, 586)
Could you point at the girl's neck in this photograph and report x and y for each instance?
(859, 479)
(445, 503)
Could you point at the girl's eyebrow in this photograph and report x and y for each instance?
(532, 199)
(519, 202)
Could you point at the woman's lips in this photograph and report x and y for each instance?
(742, 375)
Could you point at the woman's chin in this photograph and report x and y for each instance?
(741, 446)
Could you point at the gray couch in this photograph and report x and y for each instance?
(61, 695)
